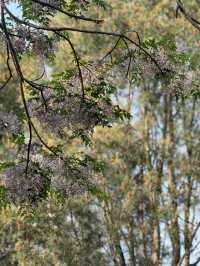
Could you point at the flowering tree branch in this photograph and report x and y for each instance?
(80, 110)
(86, 31)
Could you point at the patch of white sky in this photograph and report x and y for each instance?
(15, 9)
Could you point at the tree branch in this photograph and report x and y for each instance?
(67, 13)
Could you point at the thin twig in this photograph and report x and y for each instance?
(76, 59)
(69, 14)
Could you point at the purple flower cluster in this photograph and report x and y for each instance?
(83, 4)
(40, 44)
(73, 181)
(24, 39)
(42, 7)
(10, 122)
(20, 188)
(70, 112)
(149, 69)
(180, 47)
(63, 174)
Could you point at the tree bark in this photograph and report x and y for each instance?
(174, 230)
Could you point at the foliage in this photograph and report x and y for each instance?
(99, 140)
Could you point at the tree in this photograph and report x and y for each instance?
(129, 198)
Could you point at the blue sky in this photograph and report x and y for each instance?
(13, 7)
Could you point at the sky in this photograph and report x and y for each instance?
(13, 7)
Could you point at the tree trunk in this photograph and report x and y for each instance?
(174, 230)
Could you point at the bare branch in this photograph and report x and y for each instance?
(21, 80)
(192, 20)
(54, 7)
(76, 59)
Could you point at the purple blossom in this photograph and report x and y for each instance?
(10, 122)
(180, 48)
(19, 45)
(20, 188)
(43, 8)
